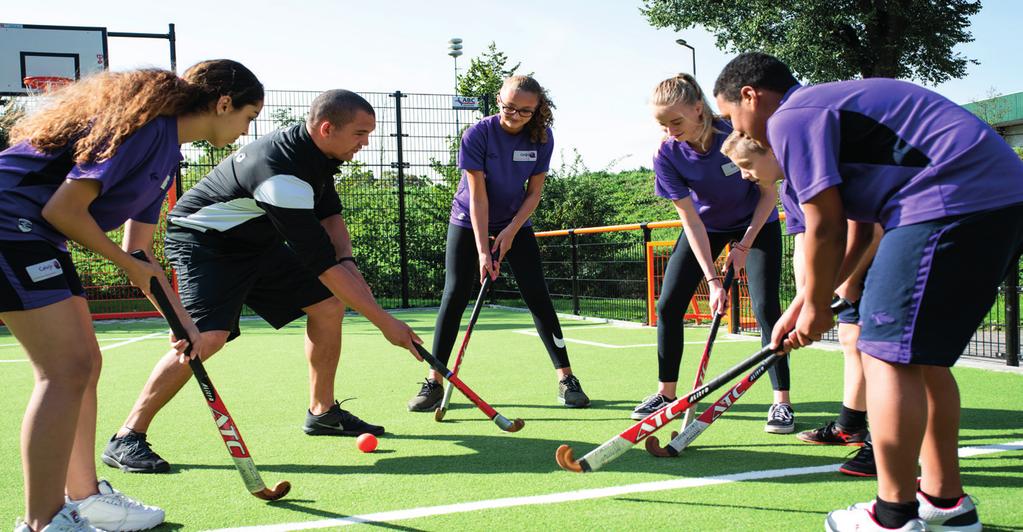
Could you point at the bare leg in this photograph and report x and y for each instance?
(62, 358)
(854, 389)
(167, 378)
(897, 406)
(939, 455)
(323, 351)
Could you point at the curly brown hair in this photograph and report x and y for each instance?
(97, 113)
(543, 116)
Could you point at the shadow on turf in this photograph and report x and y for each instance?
(499, 454)
(293, 505)
(729, 506)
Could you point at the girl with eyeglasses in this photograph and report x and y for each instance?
(504, 160)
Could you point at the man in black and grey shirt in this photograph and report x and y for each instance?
(264, 229)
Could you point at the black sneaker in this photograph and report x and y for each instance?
(571, 394)
(650, 405)
(862, 464)
(131, 453)
(338, 422)
(830, 434)
(780, 419)
(428, 398)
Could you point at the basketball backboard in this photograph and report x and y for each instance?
(35, 50)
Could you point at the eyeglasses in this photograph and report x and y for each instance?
(509, 110)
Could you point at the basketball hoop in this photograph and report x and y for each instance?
(44, 84)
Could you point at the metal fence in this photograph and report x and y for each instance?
(600, 273)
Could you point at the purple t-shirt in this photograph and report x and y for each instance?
(133, 183)
(794, 223)
(898, 153)
(507, 162)
(723, 199)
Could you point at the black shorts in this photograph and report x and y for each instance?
(34, 274)
(215, 283)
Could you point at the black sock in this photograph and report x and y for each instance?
(895, 514)
(851, 420)
(942, 503)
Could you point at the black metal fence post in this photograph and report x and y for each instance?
(647, 237)
(1012, 316)
(575, 271)
(402, 218)
(486, 104)
(735, 316)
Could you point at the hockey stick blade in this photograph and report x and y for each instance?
(502, 422)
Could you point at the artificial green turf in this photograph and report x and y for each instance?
(262, 378)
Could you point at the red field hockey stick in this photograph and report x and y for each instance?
(221, 417)
(705, 359)
(680, 441)
(438, 414)
(504, 423)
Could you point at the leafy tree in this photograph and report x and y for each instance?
(10, 111)
(827, 40)
(990, 109)
(485, 75)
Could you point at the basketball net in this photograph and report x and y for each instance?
(40, 85)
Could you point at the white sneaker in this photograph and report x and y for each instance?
(114, 511)
(860, 518)
(781, 419)
(960, 518)
(67, 520)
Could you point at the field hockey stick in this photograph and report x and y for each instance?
(438, 414)
(680, 441)
(617, 445)
(705, 359)
(502, 422)
(221, 417)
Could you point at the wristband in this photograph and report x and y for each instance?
(344, 259)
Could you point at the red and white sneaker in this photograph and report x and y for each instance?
(960, 518)
(860, 518)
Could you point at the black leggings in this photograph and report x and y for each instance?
(683, 274)
(461, 280)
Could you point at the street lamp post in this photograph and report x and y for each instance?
(455, 50)
(682, 42)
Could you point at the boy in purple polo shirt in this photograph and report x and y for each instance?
(103, 153)
(504, 160)
(949, 194)
(716, 207)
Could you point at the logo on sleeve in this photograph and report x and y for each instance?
(166, 181)
(25, 226)
(729, 168)
(240, 157)
(525, 156)
(44, 270)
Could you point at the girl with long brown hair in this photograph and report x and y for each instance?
(504, 160)
(102, 153)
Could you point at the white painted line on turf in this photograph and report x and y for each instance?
(581, 495)
(132, 340)
(531, 332)
(123, 342)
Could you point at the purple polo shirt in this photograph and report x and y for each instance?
(794, 223)
(507, 162)
(898, 153)
(133, 183)
(723, 199)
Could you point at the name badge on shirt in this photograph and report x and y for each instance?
(729, 168)
(527, 156)
(44, 270)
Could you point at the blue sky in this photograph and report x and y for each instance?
(599, 58)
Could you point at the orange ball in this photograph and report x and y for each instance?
(367, 443)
